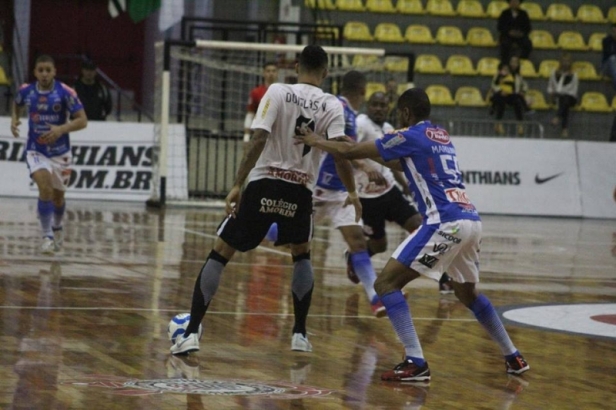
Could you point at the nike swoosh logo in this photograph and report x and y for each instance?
(539, 180)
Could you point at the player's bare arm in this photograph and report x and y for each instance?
(342, 148)
(15, 119)
(78, 122)
(251, 155)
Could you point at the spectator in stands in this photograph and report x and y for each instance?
(270, 76)
(505, 90)
(93, 94)
(391, 92)
(513, 27)
(562, 90)
(608, 61)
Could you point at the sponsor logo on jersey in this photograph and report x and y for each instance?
(295, 177)
(539, 180)
(438, 135)
(397, 140)
(56, 107)
(440, 248)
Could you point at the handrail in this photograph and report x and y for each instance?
(121, 93)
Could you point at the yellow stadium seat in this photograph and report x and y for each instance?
(527, 69)
(537, 100)
(397, 64)
(440, 8)
(357, 31)
(429, 64)
(547, 66)
(594, 101)
(614, 103)
(595, 41)
(418, 34)
(321, 4)
(326, 32)
(590, 14)
(469, 97)
(439, 95)
(542, 39)
(480, 37)
(450, 35)
(360, 60)
(488, 66)
(534, 10)
(380, 6)
(611, 14)
(350, 5)
(496, 7)
(572, 40)
(388, 33)
(585, 70)
(372, 88)
(470, 8)
(458, 64)
(3, 78)
(410, 7)
(559, 12)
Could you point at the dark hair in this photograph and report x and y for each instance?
(44, 58)
(269, 63)
(353, 81)
(88, 65)
(417, 101)
(313, 58)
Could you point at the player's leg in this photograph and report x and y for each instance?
(302, 285)
(373, 217)
(45, 208)
(61, 173)
(465, 274)
(389, 286)
(233, 235)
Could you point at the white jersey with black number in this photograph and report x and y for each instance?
(283, 108)
(368, 130)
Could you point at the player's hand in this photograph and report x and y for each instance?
(304, 135)
(353, 199)
(15, 128)
(232, 201)
(376, 177)
(52, 135)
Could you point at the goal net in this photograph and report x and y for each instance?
(202, 94)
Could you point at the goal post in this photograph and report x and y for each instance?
(201, 94)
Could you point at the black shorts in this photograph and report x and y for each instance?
(264, 202)
(391, 206)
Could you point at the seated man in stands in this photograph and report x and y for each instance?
(514, 27)
(508, 89)
(562, 89)
(608, 60)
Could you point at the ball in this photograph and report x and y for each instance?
(177, 326)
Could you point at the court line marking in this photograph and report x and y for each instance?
(120, 309)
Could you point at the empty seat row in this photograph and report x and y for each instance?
(567, 40)
(418, 34)
(471, 97)
(488, 66)
(586, 13)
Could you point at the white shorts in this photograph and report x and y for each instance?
(59, 167)
(451, 246)
(329, 205)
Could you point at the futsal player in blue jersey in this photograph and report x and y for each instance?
(49, 105)
(448, 238)
(330, 195)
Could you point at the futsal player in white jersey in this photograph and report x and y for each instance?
(384, 202)
(449, 237)
(281, 176)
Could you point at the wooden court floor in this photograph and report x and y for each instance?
(86, 328)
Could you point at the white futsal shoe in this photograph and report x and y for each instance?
(300, 343)
(58, 238)
(48, 246)
(186, 344)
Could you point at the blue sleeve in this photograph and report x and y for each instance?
(21, 95)
(393, 146)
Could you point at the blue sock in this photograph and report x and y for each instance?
(400, 317)
(365, 272)
(488, 318)
(272, 234)
(58, 215)
(45, 211)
